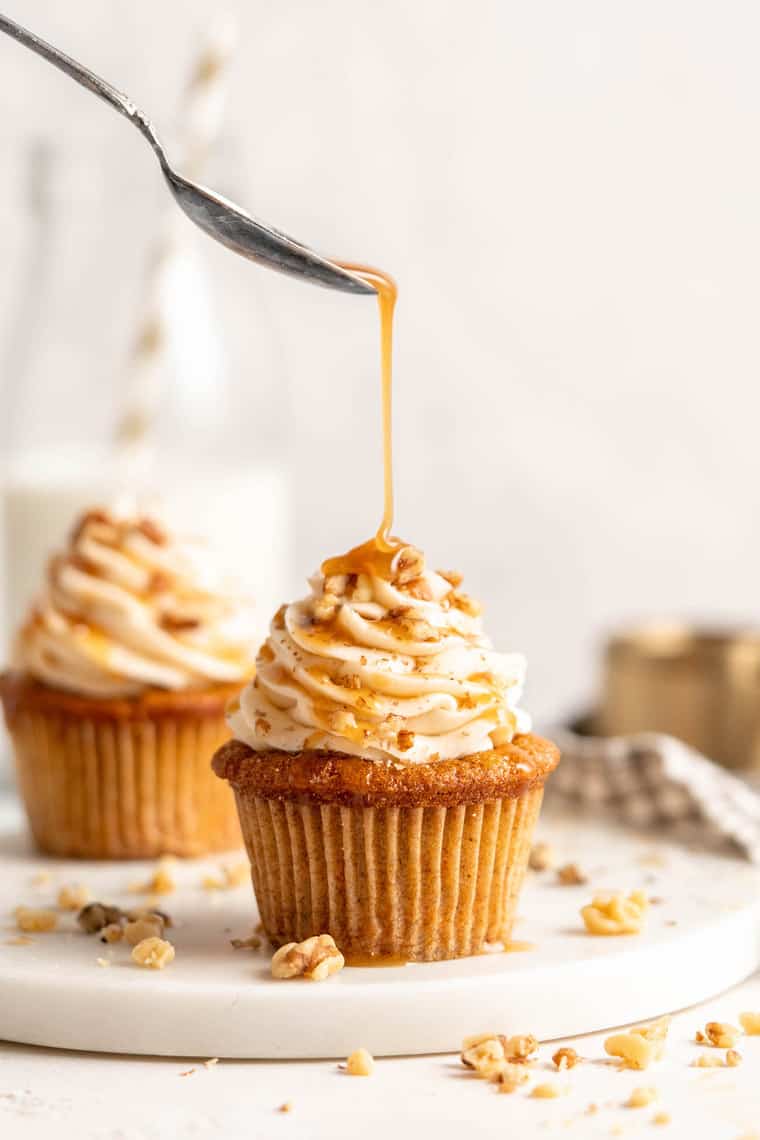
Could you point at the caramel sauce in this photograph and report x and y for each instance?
(511, 947)
(374, 557)
(362, 961)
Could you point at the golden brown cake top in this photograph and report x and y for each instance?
(128, 606)
(335, 778)
(384, 660)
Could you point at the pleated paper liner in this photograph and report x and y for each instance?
(419, 882)
(121, 779)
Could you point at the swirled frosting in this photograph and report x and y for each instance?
(384, 660)
(129, 607)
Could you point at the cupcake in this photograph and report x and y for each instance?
(386, 780)
(115, 700)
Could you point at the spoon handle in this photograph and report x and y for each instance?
(83, 76)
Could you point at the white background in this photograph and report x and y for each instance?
(568, 196)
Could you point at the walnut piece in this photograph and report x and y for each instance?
(153, 953)
(639, 1047)
(316, 958)
(719, 1034)
(733, 1058)
(251, 943)
(407, 564)
(541, 857)
(161, 881)
(95, 916)
(114, 932)
(33, 920)
(708, 1061)
(490, 1055)
(146, 926)
(750, 1023)
(510, 1076)
(616, 914)
(641, 1097)
(566, 1058)
(570, 875)
(405, 740)
(360, 1063)
(661, 1118)
(74, 897)
(466, 604)
(545, 1091)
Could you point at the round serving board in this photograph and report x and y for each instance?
(702, 936)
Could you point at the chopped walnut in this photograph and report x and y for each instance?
(347, 681)
(286, 1107)
(316, 958)
(407, 564)
(708, 1061)
(541, 857)
(733, 1058)
(405, 740)
(570, 875)
(641, 1097)
(639, 1047)
(95, 916)
(750, 1023)
(419, 588)
(719, 1034)
(262, 726)
(74, 897)
(147, 926)
(661, 1118)
(490, 1054)
(360, 1063)
(410, 625)
(545, 1091)
(251, 943)
(566, 1058)
(114, 932)
(501, 735)
(153, 953)
(161, 881)
(616, 914)
(510, 1076)
(453, 577)
(33, 920)
(325, 608)
(341, 721)
(335, 585)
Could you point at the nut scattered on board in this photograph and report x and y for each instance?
(641, 1097)
(750, 1023)
(510, 1076)
(571, 876)
(231, 875)
(566, 1058)
(114, 932)
(661, 1117)
(542, 857)
(161, 882)
(733, 1058)
(146, 926)
(74, 896)
(708, 1061)
(33, 920)
(317, 958)
(153, 953)
(719, 1034)
(360, 1063)
(253, 942)
(616, 914)
(286, 1107)
(639, 1047)
(494, 1056)
(95, 916)
(545, 1091)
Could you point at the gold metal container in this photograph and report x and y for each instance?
(701, 685)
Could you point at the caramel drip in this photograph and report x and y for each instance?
(368, 558)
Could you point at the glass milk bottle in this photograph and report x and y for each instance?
(125, 377)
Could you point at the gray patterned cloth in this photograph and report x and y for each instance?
(655, 781)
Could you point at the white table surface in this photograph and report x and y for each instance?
(87, 1096)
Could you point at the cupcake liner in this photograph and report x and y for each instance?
(410, 882)
(109, 787)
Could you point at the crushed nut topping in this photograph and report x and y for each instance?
(153, 953)
(570, 875)
(405, 740)
(262, 726)
(95, 916)
(491, 1054)
(466, 604)
(541, 857)
(325, 608)
(616, 914)
(74, 897)
(360, 1063)
(750, 1023)
(639, 1047)
(453, 577)
(719, 1034)
(641, 1097)
(407, 564)
(317, 958)
(420, 589)
(33, 920)
(566, 1058)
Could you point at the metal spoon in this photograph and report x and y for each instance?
(216, 216)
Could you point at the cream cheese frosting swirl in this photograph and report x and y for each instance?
(386, 662)
(128, 607)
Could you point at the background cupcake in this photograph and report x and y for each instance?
(386, 780)
(115, 700)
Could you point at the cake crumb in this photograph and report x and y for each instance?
(545, 1091)
(566, 1058)
(641, 1097)
(616, 914)
(750, 1023)
(360, 1063)
(570, 875)
(542, 857)
(35, 921)
(74, 896)
(153, 953)
(316, 958)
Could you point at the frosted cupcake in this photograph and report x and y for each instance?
(115, 700)
(386, 779)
